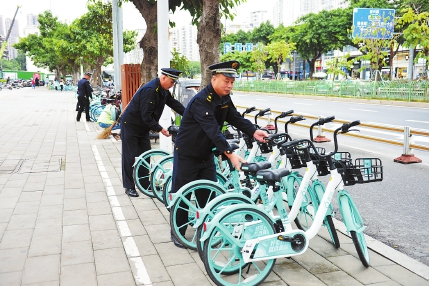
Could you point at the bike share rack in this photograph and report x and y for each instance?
(408, 145)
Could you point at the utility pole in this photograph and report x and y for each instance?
(163, 62)
(118, 44)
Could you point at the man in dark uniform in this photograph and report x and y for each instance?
(84, 91)
(200, 132)
(142, 115)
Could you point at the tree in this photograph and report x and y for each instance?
(262, 33)
(336, 66)
(205, 14)
(179, 62)
(243, 57)
(417, 32)
(259, 56)
(278, 52)
(320, 33)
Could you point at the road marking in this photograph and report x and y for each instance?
(298, 103)
(139, 271)
(260, 99)
(366, 110)
(418, 121)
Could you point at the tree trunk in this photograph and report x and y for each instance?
(149, 42)
(208, 38)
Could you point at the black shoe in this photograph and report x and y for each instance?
(77, 120)
(131, 192)
(176, 242)
(89, 120)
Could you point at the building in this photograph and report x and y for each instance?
(184, 40)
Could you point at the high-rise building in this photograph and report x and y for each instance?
(32, 26)
(258, 17)
(184, 40)
(2, 31)
(13, 37)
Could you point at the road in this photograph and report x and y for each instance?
(396, 209)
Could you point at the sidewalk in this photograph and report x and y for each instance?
(65, 219)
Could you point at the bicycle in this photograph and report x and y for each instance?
(247, 236)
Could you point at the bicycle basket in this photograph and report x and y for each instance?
(296, 157)
(365, 170)
(265, 147)
(342, 161)
(321, 163)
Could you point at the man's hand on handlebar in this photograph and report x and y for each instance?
(165, 132)
(235, 159)
(260, 135)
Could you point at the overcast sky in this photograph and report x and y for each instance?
(67, 11)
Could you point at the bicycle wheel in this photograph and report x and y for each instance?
(222, 256)
(168, 181)
(218, 206)
(143, 168)
(159, 174)
(354, 224)
(188, 203)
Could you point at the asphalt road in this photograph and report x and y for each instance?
(395, 210)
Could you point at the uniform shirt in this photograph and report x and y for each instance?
(83, 88)
(146, 106)
(200, 128)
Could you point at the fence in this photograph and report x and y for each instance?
(130, 80)
(400, 90)
(407, 143)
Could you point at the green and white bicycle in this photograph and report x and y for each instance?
(242, 242)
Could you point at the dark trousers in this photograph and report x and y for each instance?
(133, 145)
(83, 103)
(187, 170)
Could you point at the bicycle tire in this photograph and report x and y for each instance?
(221, 203)
(168, 181)
(147, 160)
(158, 174)
(361, 247)
(223, 263)
(189, 239)
(328, 222)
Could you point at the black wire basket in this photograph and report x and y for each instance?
(296, 157)
(320, 162)
(364, 170)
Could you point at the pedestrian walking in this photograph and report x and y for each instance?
(84, 91)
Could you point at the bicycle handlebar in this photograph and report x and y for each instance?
(319, 122)
(343, 128)
(292, 120)
(282, 137)
(261, 113)
(282, 115)
(248, 110)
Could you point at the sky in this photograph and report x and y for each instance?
(67, 11)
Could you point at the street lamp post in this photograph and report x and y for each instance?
(293, 71)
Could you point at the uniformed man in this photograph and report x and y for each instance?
(84, 91)
(200, 132)
(142, 115)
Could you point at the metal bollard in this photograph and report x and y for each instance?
(407, 155)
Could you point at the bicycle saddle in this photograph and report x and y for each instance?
(271, 175)
(254, 167)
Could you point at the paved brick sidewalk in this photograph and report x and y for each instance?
(65, 220)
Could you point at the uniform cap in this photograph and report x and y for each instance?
(88, 73)
(171, 73)
(228, 69)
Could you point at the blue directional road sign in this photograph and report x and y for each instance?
(227, 48)
(248, 47)
(238, 47)
(372, 23)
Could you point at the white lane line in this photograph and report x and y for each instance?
(366, 110)
(139, 270)
(418, 121)
(298, 103)
(260, 99)
(86, 126)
